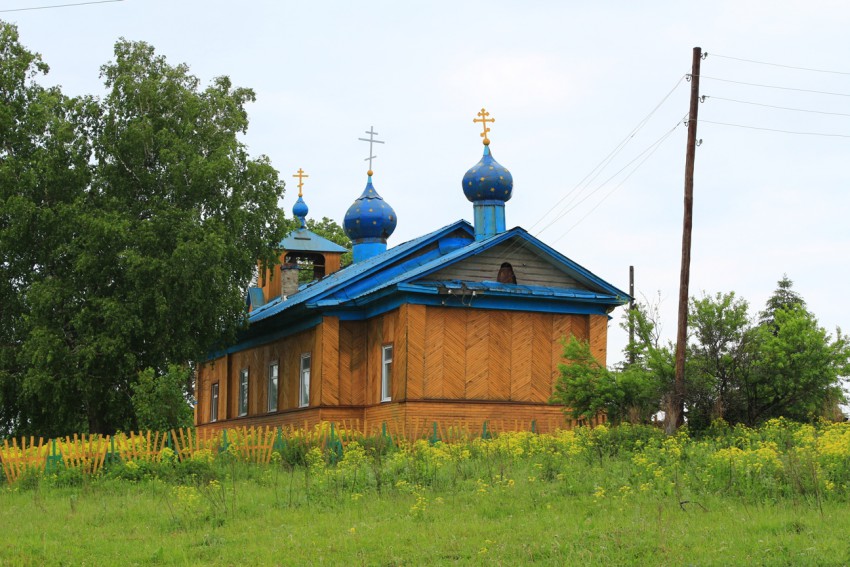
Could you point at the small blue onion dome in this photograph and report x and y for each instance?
(369, 216)
(487, 180)
(300, 210)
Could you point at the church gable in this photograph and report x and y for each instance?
(525, 263)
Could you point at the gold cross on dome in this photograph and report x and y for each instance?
(300, 175)
(484, 120)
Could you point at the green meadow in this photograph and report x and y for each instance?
(777, 495)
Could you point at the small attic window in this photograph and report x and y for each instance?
(506, 274)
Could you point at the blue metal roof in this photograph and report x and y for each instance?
(356, 276)
(303, 240)
(401, 269)
(603, 288)
(496, 288)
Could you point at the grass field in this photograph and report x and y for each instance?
(638, 499)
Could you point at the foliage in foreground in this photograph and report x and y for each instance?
(780, 459)
(621, 495)
(784, 365)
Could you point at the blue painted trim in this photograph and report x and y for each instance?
(264, 338)
(368, 248)
(304, 240)
(574, 269)
(343, 279)
(534, 305)
(489, 218)
(362, 286)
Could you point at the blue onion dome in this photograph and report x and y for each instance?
(488, 180)
(300, 210)
(369, 216)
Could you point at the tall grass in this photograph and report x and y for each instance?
(624, 495)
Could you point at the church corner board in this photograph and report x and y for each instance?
(464, 323)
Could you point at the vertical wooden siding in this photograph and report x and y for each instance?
(491, 355)
(209, 373)
(598, 337)
(286, 352)
(355, 373)
(440, 353)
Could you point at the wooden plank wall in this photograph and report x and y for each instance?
(477, 354)
(310, 416)
(440, 353)
(474, 413)
(352, 371)
(529, 268)
(286, 352)
(209, 373)
(598, 330)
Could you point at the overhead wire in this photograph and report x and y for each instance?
(824, 134)
(777, 107)
(645, 154)
(705, 97)
(597, 170)
(778, 64)
(59, 6)
(774, 86)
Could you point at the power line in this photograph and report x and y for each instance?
(774, 86)
(780, 65)
(647, 153)
(704, 97)
(600, 167)
(777, 130)
(60, 6)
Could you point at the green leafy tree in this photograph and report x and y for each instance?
(797, 368)
(631, 393)
(160, 402)
(719, 359)
(783, 297)
(44, 173)
(650, 363)
(586, 387)
(146, 219)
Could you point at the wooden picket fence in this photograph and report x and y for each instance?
(89, 453)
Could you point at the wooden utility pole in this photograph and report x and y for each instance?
(676, 409)
(631, 315)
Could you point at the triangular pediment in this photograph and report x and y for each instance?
(528, 264)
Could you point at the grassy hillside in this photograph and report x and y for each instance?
(622, 496)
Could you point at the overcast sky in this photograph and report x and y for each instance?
(567, 82)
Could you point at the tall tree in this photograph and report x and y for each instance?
(44, 172)
(151, 255)
(720, 358)
(783, 297)
(797, 365)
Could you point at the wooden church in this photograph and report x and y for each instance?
(463, 323)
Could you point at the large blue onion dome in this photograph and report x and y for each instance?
(300, 210)
(488, 180)
(369, 216)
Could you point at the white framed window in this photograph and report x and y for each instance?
(272, 387)
(214, 402)
(243, 392)
(304, 381)
(386, 373)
